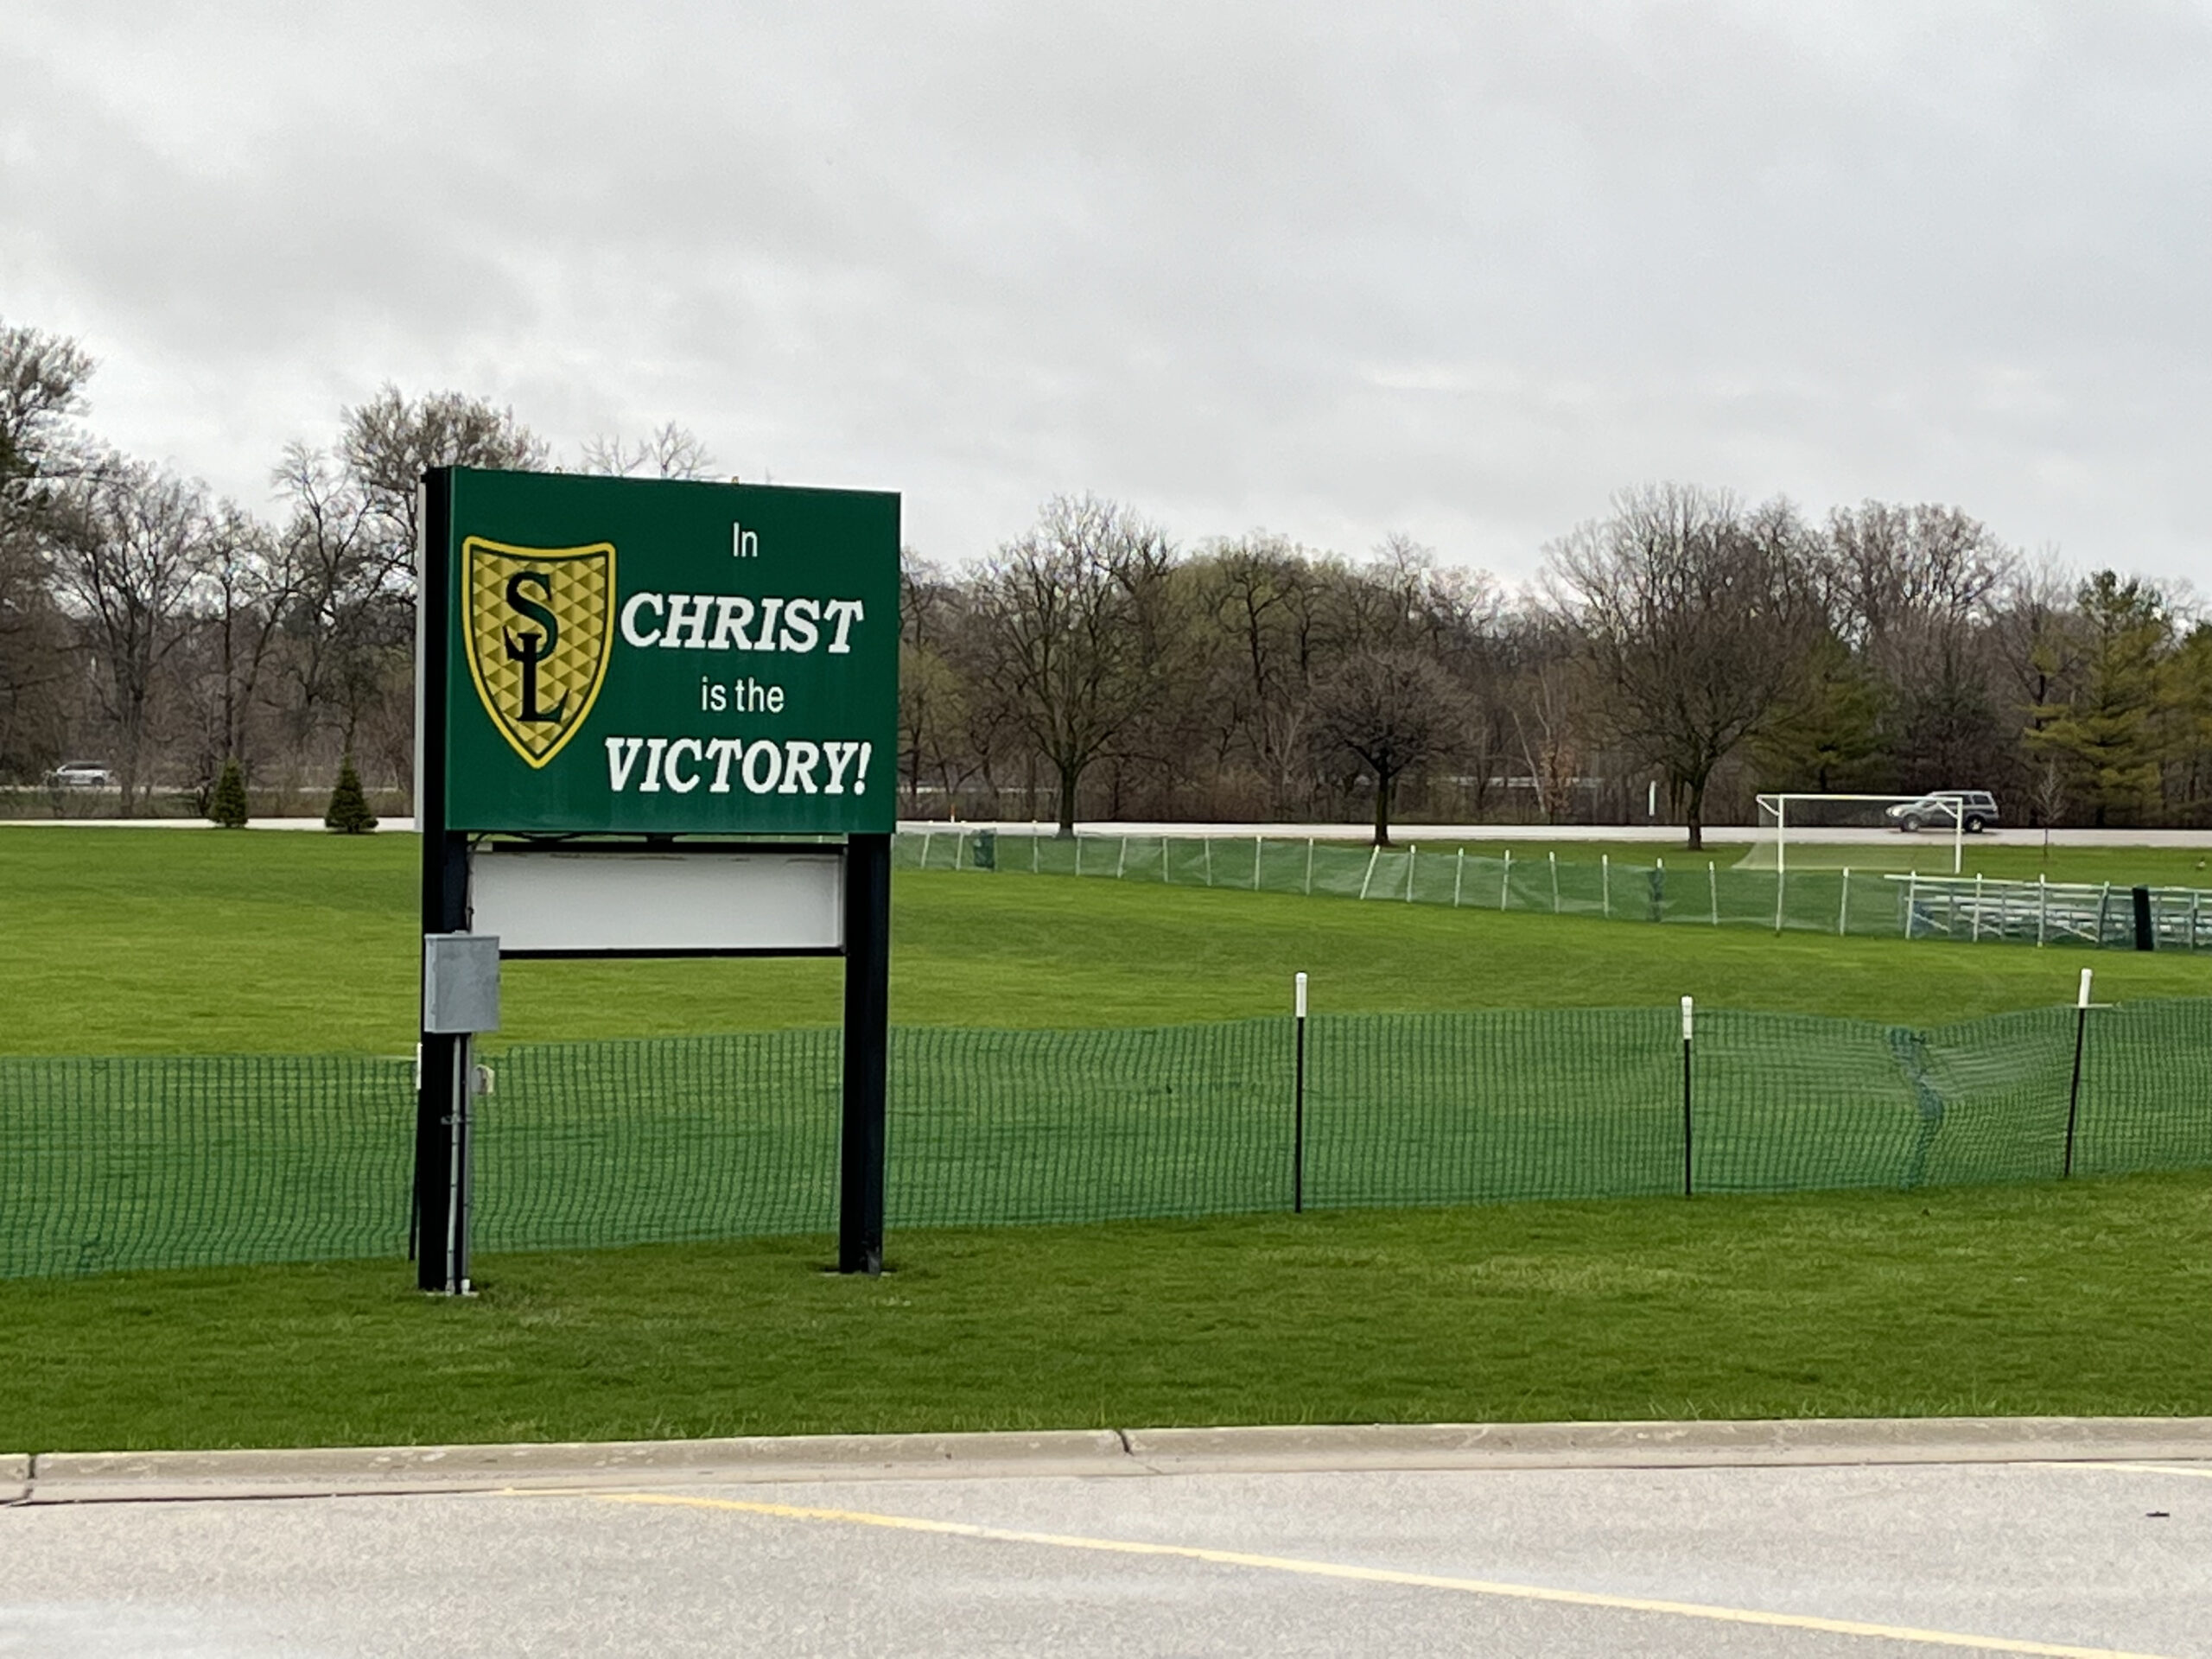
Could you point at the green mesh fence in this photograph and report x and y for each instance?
(157, 1162)
(164, 1162)
(1692, 891)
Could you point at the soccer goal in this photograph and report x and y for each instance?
(1864, 832)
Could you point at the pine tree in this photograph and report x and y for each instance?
(2105, 735)
(349, 811)
(227, 810)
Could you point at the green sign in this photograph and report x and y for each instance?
(665, 657)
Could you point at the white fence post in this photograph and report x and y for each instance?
(1554, 858)
(1713, 882)
(1374, 855)
(1309, 866)
(1256, 863)
(1505, 881)
(1843, 912)
(1459, 875)
(1410, 851)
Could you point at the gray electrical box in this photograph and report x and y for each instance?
(461, 982)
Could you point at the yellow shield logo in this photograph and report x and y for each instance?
(537, 628)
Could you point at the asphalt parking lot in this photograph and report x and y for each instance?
(2082, 1558)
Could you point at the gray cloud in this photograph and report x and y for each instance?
(1334, 270)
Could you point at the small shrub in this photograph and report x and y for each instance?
(227, 808)
(349, 811)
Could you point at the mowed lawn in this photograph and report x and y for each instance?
(1998, 854)
(186, 941)
(2092, 1297)
(2017, 855)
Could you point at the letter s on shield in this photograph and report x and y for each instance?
(537, 624)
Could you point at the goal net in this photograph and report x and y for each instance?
(1856, 832)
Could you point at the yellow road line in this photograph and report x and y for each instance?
(1384, 1575)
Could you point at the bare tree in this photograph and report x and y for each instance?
(668, 451)
(341, 611)
(42, 390)
(130, 549)
(1549, 713)
(1394, 711)
(1058, 634)
(390, 441)
(1695, 616)
(250, 587)
(1264, 602)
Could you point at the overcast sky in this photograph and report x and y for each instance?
(1460, 270)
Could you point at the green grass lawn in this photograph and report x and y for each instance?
(2085, 1297)
(172, 941)
(2094, 1297)
(2014, 856)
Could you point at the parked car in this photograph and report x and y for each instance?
(81, 774)
(1975, 810)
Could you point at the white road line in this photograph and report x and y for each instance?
(1383, 1575)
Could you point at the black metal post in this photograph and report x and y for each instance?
(2147, 933)
(440, 1218)
(2074, 1094)
(867, 1043)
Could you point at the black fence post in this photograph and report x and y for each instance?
(1298, 1107)
(2074, 1093)
(1690, 1025)
(867, 1031)
(2146, 932)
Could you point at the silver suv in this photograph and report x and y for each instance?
(81, 774)
(1974, 810)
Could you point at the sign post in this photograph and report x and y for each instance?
(657, 717)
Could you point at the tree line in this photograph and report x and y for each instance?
(148, 625)
(1688, 640)
(1688, 645)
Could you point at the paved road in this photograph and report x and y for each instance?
(2079, 1559)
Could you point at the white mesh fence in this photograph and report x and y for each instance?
(1690, 890)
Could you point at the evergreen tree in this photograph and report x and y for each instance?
(227, 810)
(2107, 735)
(349, 811)
(1829, 738)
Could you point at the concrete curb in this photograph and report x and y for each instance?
(107, 1477)
(122, 1476)
(1680, 1445)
